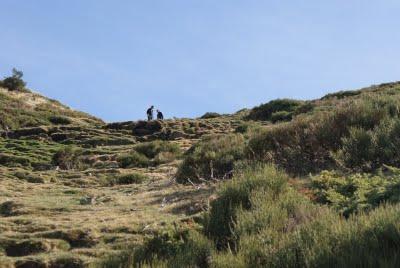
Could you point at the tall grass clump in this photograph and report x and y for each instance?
(150, 153)
(212, 157)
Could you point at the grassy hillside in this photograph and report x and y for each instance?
(286, 184)
(28, 109)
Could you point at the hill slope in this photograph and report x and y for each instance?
(80, 192)
(28, 109)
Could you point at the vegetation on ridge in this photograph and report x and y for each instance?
(286, 184)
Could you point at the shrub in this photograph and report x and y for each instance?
(237, 194)
(28, 177)
(149, 153)
(281, 116)
(60, 120)
(164, 157)
(361, 134)
(370, 149)
(329, 241)
(212, 157)
(14, 82)
(14, 161)
(153, 148)
(209, 115)
(131, 178)
(265, 111)
(342, 94)
(178, 248)
(68, 157)
(355, 192)
(133, 159)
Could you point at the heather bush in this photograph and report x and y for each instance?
(68, 157)
(238, 196)
(133, 159)
(153, 148)
(14, 82)
(209, 115)
(281, 116)
(60, 120)
(265, 111)
(360, 135)
(212, 157)
(130, 178)
(326, 241)
(167, 248)
(356, 192)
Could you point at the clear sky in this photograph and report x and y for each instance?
(115, 58)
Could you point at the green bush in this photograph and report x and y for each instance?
(212, 157)
(329, 241)
(355, 192)
(209, 115)
(28, 177)
(14, 82)
(133, 159)
(131, 178)
(281, 116)
(236, 194)
(150, 153)
(153, 148)
(367, 150)
(341, 94)
(14, 161)
(68, 157)
(265, 111)
(361, 134)
(60, 120)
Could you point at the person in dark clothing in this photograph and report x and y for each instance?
(160, 115)
(150, 113)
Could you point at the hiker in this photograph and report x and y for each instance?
(150, 113)
(160, 116)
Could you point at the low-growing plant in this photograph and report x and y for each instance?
(265, 111)
(14, 82)
(60, 120)
(281, 116)
(68, 157)
(361, 135)
(212, 157)
(153, 148)
(356, 192)
(131, 178)
(26, 176)
(209, 115)
(133, 159)
(177, 248)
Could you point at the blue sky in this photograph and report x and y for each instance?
(115, 58)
